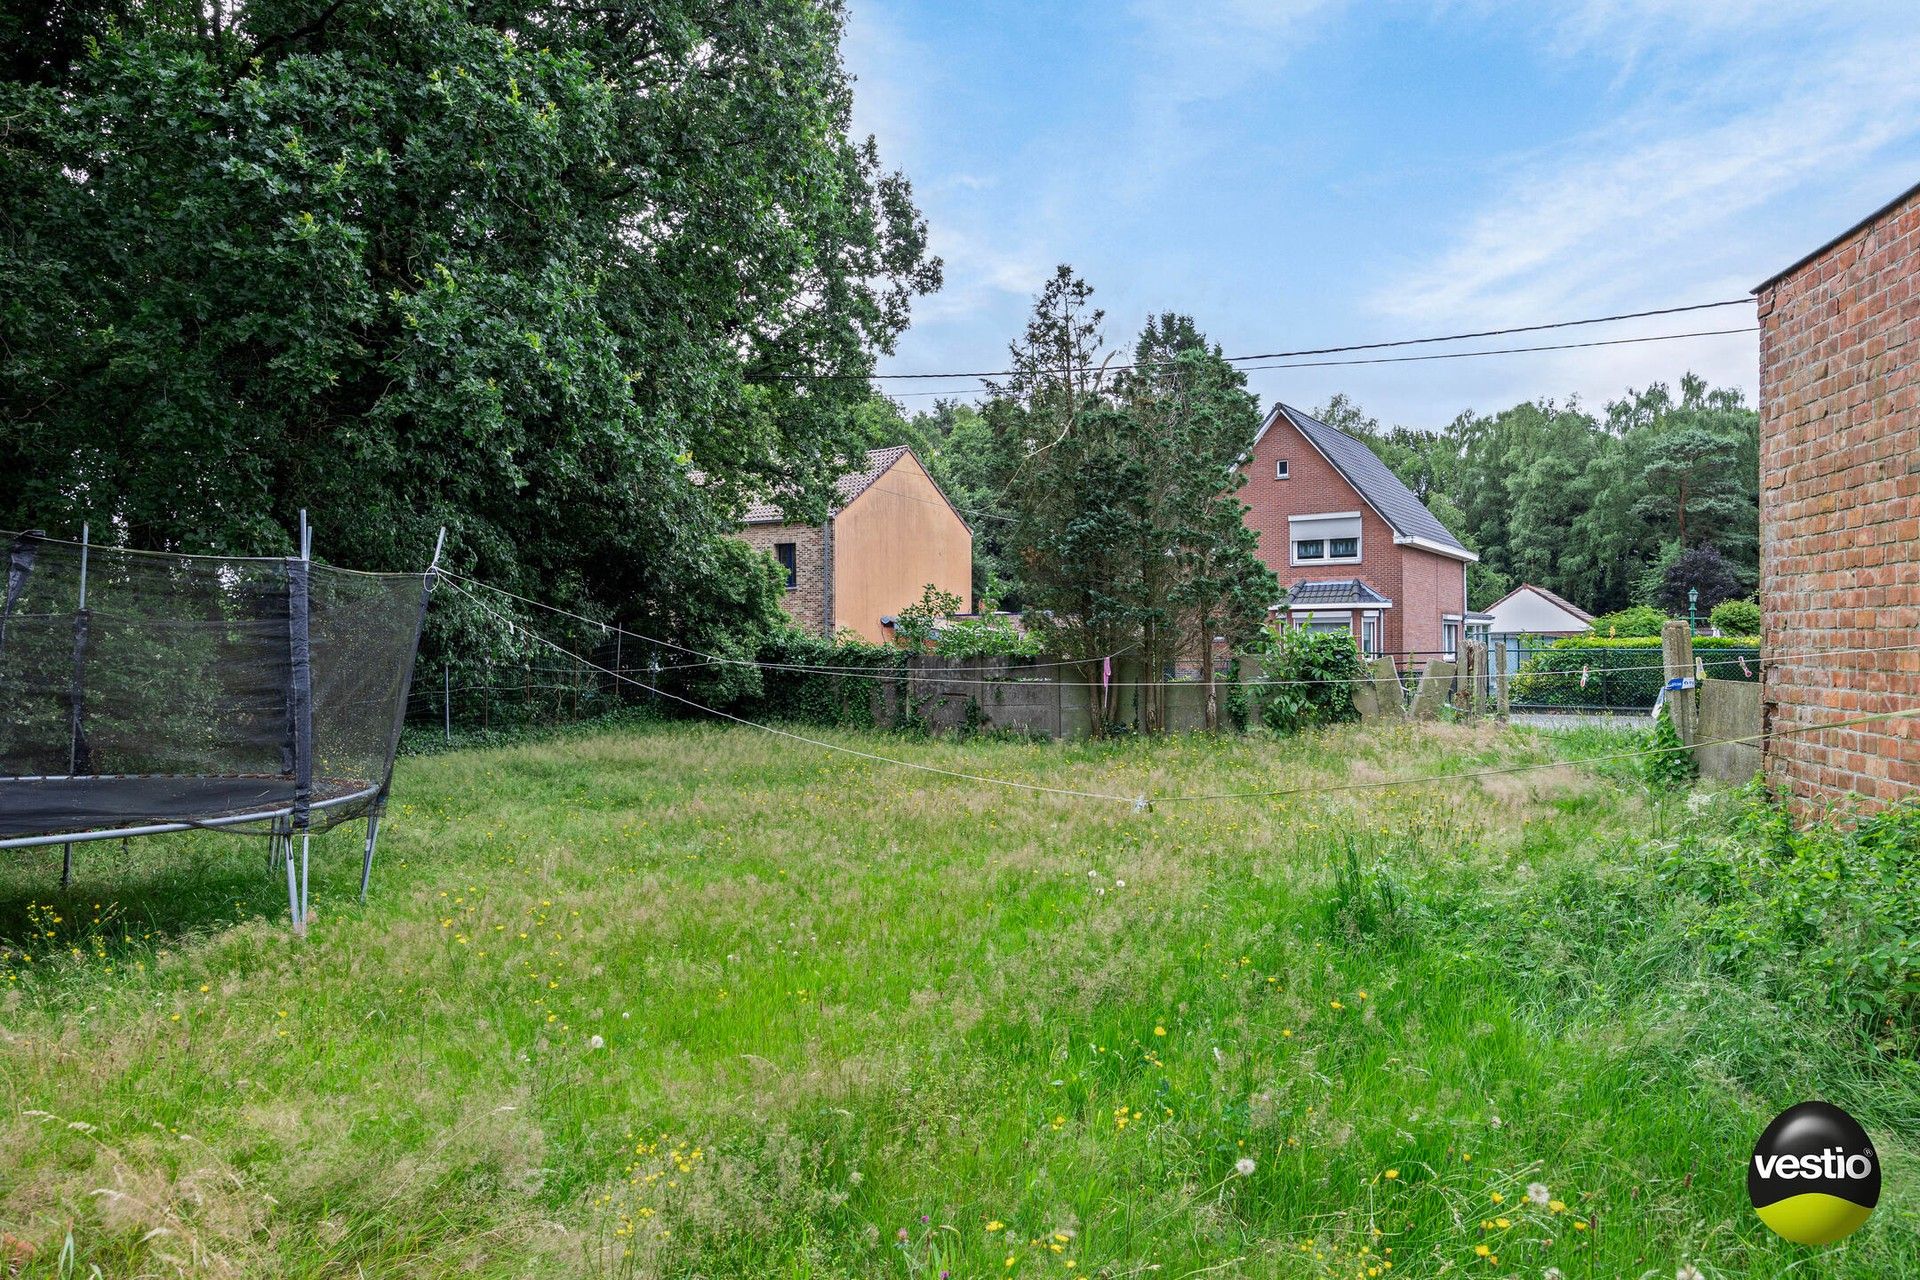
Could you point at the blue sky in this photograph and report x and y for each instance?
(1306, 173)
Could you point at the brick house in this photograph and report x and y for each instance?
(1354, 548)
(1840, 509)
(890, 531)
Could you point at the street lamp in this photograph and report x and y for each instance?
(1693, 599)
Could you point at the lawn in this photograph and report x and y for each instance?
(691, 1000)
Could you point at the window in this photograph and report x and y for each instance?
(1450, 637)
(1280, 469)
(784, 552)
(1327, 626)
(1318, 539)
(1370, 636)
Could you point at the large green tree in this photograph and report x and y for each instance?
(567, 278)
(1121, 493)
(1589, 506)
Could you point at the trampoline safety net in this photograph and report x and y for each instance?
(141, 689)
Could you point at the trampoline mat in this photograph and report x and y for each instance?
(52, 806)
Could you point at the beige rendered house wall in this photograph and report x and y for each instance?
(891, 541)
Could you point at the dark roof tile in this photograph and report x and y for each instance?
(1338, 593)
(1374, 480)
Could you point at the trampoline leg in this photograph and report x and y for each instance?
(366, 863)
(304, 838)
(66, 868)
(293, 903)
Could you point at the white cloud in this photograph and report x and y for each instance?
(1671, 202)
(1194, 55)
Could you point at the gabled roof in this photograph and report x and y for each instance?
(1342, 593)
(1374, 481)
(845, 489)
(1549, 597)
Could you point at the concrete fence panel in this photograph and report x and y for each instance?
(1728, 709)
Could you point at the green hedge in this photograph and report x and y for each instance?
(1623, 674)
(841, 697)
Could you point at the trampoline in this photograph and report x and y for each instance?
(143, 693)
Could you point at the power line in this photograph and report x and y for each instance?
(1444, 355)
(952, 676)
(1144, 802)
(1136, 801)
(711, 659)
(1280, 355)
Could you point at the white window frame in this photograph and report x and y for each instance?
(1450, 637)
(1370, 634)
(1325, 541)
(1281, 468)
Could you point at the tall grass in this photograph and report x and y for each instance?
(687, 1001)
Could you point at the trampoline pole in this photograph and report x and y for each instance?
(305, 837)
(66, 868)
(293, 903)
(366, 863)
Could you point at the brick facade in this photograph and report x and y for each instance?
(1840, 510)
(1423, 586)
(808, 602)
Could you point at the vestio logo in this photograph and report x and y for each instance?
(1815, 1176)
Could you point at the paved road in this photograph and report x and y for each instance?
(1551, 720)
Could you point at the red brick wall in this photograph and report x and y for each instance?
(1421, 585)
(1840, 511)
(1430, 586)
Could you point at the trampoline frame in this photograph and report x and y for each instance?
(285, 819)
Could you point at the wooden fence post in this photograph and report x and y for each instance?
(1676, 654)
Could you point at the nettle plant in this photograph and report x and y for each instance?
(1827, 907)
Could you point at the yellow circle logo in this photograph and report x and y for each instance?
(1815, 1176)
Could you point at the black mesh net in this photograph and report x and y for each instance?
(181, 692)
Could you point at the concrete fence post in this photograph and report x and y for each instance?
(1477, 678)
(1436, 685)
(1676, 654)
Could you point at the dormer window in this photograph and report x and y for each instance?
(1280, 469)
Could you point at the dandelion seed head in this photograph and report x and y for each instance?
(1537, 1192)
(1244, 1166)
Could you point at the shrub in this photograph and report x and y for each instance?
(1325, 662)
(988, 637)
(920, 621)
(1640, 620)
(1735, 618)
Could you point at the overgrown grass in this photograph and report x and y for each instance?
(856, 1021)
